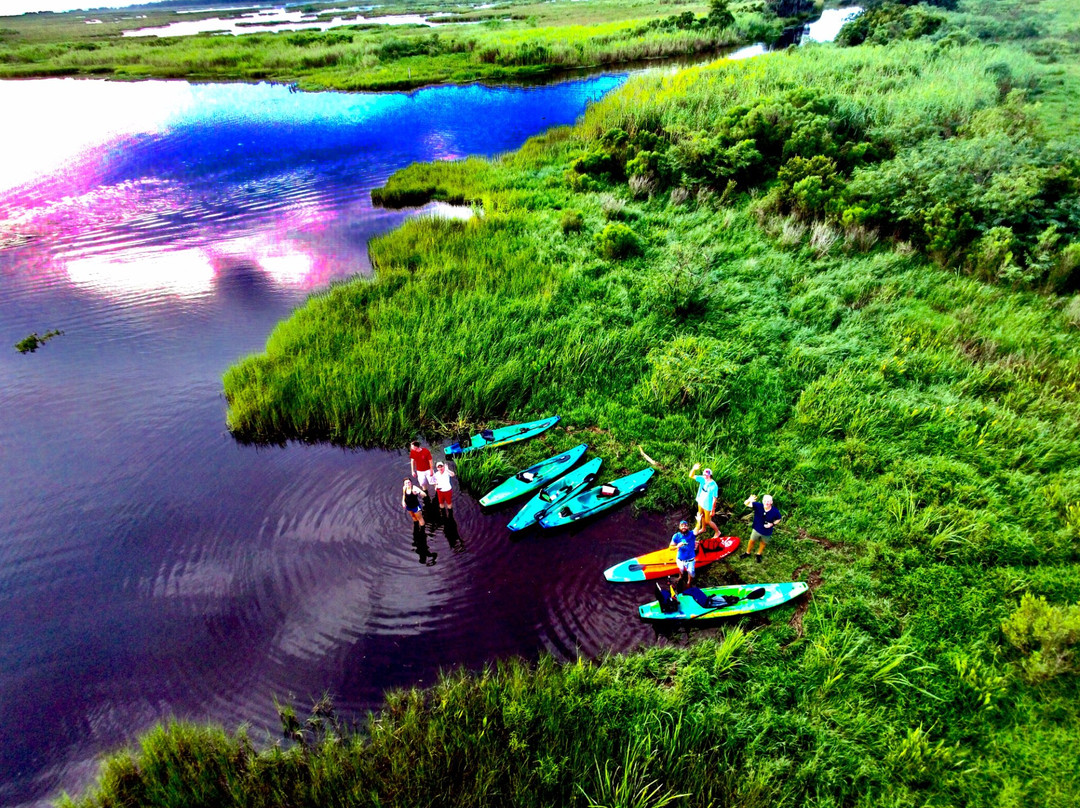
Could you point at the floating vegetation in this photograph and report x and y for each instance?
(34, 341)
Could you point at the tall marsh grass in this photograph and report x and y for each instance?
(917, 425)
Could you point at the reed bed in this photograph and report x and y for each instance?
(917, 423)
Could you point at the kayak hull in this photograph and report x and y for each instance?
(555, 493)
(775, 595)
(502, 436)
(591, 501)
(542, 473)
(661, 563)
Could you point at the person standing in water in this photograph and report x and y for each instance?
(443, 488)
(410, 500)
(706, 496)
(766, 517)
(420, 460)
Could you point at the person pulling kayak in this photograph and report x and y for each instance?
(685, 543)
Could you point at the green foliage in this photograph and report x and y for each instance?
(571, 221)
(916, 423)
(617, 241)
(1046, 635)
(31, 343)
(888, 22)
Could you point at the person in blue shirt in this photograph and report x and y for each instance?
(706, 498)
(685, 542)
(766, 517)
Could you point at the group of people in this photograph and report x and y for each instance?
(766, 517)
(436, 475)
(766, 514)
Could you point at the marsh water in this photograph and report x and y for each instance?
(150, 566)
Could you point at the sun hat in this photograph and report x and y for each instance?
(709, 472)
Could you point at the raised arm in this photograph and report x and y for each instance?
(693, 470)
(750, 500)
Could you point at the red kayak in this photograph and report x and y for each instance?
(662, 562)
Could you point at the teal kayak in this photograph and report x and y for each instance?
(745, 598)
(490, 438)
(597, 499)
(554, 493)
(535, 476)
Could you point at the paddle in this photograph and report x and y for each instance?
(755, 594)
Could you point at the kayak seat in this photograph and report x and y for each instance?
(526, 476)
(608, 491)
(487, 434)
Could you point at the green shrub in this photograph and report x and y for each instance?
(617, 241)
(571, 222)
(1046, 634)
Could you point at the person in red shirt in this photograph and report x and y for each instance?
(420, 460)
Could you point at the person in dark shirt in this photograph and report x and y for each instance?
(410, 500)
(766, 517)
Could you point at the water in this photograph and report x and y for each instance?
(149, 565)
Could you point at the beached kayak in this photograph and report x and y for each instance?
(597, 499)
(750, 598)
(566, 486)
(535, 476)
(661, 563)
(490, 438)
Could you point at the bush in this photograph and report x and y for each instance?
(617, 241)
(572, 222)
(1047, 634)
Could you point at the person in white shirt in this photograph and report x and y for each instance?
(443, 489)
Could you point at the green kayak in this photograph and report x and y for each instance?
(554, 493)
(535, 476)
(490, 438)
(743, 599)
(597, 499)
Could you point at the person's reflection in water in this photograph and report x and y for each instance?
(453, 538)
(420, 545)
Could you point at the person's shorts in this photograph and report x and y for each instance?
(445, 497)
(686, 566)
(425, 477)
(755, 535)
(414, 510)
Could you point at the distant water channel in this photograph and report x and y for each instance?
(149, 565)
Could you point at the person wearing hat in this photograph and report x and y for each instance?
(685, 543)
(443, 489)
(706, 497)
(766, 517)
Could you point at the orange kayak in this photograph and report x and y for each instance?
(662, 562)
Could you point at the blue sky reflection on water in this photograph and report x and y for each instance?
(149, 565)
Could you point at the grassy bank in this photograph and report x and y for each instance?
(684, 274)
(514, 39)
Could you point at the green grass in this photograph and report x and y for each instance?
(914, 416)
(515, 40)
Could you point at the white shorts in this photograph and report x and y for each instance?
(426, 477)
(686, 566)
